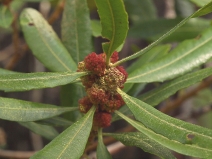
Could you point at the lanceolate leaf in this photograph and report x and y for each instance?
(102, 151)
(186, 56)
(46, 131)
(207, 9)
(200, 3)
(28, 81)
(18, 110)
(44, 42)
(154, 54)
(76, 29)
(70, 95)
(139, 53)
(140, 10)
(4, 71)
(144, 142)
(6, 13)
(187, 149)
(146, 29)
(70, 143)
(114, 22)
(6, 17)
(167, 126)
(162, 92)
(55, 121)
(96, 28)
(124, 110)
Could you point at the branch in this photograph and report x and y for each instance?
(16, 154)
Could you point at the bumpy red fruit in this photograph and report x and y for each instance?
(85, 104)
(95, 63)
(122, 70)
(114, 103)
(102, 119)
(89, 80)
(113, 79)
(115, 57)
(97, 95)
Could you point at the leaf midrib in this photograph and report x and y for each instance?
(113, 28)
(36, 109)
(175, 141)
(172, 85)
(38, 78)
(166, 65)
(145, 129)
(163, 121)
(82, 125)
(44, 41)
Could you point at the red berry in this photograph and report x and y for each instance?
(85, 104)
(102, 119)
(97, 95)
(115, 57)
(88, 80)
(114, 103)
(122, 70)
(95, 63)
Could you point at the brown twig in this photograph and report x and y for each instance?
(16, 154)
(15, 39)
(58, 10)
(176, 103)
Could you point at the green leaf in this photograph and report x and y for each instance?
(146, 29)
(144, 142)
(5, 72)
(186, 56)
(139, 53)
(140, 10)
(46, 131)
(71, 142)
(102, 152)
(187, 149)
(6, 17)
(162, 92)
(44, 43)
(202, 99)
(114, 21)
(200, 3)
(55, 121)
(76, 29)
(128, 86)
(124, 110)
(171, 128)
(96, 28)
(207, 9)
(19, 110)
(184, 8)
(153, 54)
(70, 95)
(136, 89)
(28, 81)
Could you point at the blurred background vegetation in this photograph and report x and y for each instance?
(148, 20)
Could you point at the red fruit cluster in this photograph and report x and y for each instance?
(101, 85)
